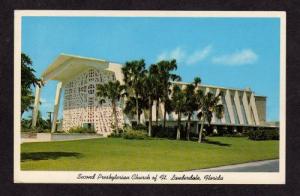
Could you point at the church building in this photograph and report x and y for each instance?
(78, 77)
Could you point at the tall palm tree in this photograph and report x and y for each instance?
(166, 76)
(134, 72)
(208, 104)
(178, 103)
(149, 94)
(130, 106)
(113, 91)
(155, 75)
(191, 103)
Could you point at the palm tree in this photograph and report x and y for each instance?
(191, 103)
(134, 72)
(148, 95)
(113, 91)
(178, 103)
(157, 90)
(130, 106)
(208, 104)
(165, 69)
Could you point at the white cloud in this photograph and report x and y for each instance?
(177, 53)
(199, 55)
(181, 55)
(162, 56)
(243, 57)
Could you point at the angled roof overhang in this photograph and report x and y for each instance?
(67, 66)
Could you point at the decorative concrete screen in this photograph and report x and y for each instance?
(81, 105)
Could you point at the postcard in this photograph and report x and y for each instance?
(149, 97)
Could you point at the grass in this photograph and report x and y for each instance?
(116, 154)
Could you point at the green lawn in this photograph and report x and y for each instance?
(116, 154)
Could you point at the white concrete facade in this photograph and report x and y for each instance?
(239, 107)
(78, 77)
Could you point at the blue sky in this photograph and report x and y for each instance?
(229, 52)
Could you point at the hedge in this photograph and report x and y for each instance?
(81, 130)
(263, 134)
(134, 134)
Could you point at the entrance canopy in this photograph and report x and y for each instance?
(63, 69)
(67, 66)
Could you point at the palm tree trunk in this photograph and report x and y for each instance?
(201, 130)
(137, 108)
(188, 128)
(178, 126)
(150, 118)
(115, 116)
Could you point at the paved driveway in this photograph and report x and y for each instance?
(258, 166)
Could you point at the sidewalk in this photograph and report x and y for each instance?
(257, 166)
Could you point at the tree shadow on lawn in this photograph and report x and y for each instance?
(36, 156)
(207, 141)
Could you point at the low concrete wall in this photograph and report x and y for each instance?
(35, 137)
(74, 136)
(47, 137)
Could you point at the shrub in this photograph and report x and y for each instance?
(116, 133)
(227, 132)
(35, 130)
(81, 130)
(130, 133)
(261, 134)
(224, 131)
(168, 132)
(24, 129)
(140, 127)
(44, 131)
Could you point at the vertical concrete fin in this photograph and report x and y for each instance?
(229, 106)
(238, 107)
(56, 106)
(247, 108)
(254, 109)
(223, 120)
(214, 118)
(35, 110)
